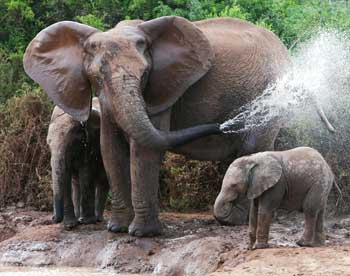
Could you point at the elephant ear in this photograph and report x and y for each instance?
(264, 175)
(54, 59)
(181, 55)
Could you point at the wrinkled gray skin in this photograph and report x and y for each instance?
(297, 179)
(79, 180)
(161, 84)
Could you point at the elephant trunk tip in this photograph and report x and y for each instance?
(227, 221)
(224, 127)
(184, 136)
(220, 220)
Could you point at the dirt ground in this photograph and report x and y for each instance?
(192, 244)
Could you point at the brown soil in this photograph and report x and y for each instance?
(192, 244)
(330, 261)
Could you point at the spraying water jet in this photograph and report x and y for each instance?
(319, 72)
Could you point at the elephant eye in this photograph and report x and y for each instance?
(93, 46)
(141, 44)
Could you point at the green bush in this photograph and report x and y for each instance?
(24, 163)
(25, 110)
(188, 185)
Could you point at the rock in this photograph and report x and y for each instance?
(344, 223)
(20, 204)
(22, 219)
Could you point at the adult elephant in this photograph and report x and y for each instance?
(161, 84)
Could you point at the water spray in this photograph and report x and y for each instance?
(320, 70)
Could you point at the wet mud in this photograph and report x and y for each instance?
(192, 244)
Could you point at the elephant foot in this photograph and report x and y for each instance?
(315, 243)
(87, 220)
(57, 219)
(69, 224)
(261, 245)
(150, 229)
(251, 245)
(319, 239)
(99, 218)
(120, 222)
(117, 227)
(304, 243)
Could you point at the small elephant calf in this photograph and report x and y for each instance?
(77, 167)
(297, 179)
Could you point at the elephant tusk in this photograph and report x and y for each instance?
(324, 119)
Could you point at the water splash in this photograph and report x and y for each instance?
(320, 71)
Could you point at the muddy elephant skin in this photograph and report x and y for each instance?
(77, 166)
(297, 179)
(161, 84)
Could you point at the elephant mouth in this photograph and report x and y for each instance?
(236, 215)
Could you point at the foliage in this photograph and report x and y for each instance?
(24, 162)
(24, 156)
(21, 20)
(190, 184)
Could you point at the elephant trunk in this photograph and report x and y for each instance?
(230, 212)
(131, 115)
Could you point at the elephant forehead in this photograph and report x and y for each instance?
(99, 41)
(125, 36)
(59, 129)
(233, 175)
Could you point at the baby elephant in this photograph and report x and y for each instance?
(297, 179)
(77, 166)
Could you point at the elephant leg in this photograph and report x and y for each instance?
(145, 165)
(69, 220)
(76, 195)
(263, 229)
(102, 189)
(319, 238)
(310, 228)
(58, 182)
(312, 207)
(116, 160)
(87, 187)
(268, 202)
(253, 221)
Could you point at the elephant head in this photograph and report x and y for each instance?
(250, 176)
(138, 69)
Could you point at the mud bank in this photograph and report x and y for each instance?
(192, 244)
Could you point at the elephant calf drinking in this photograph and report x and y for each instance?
(76, 164)
(296, 179)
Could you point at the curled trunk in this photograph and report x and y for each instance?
(234, 212)
(132, 117)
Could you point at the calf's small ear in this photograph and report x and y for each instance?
(263, 176)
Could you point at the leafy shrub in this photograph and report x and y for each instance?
(25, 164)
(24, 115)
(189, 184)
